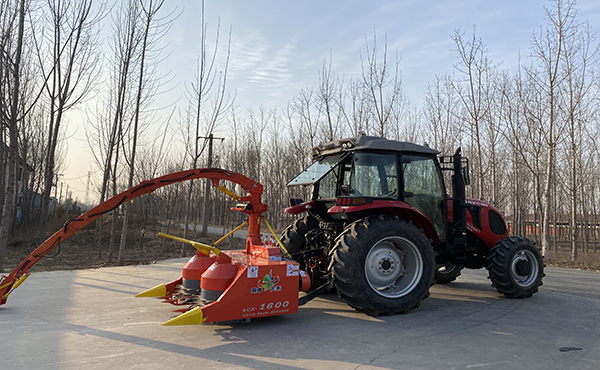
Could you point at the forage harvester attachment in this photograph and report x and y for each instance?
(214, 285)
(235, 285)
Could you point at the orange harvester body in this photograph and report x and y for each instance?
(235, 285)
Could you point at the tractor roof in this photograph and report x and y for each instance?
(366, 143)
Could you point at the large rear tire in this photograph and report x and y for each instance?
(383, 265)
(515, 267)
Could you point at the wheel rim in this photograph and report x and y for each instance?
(393, 267)
(524, 268)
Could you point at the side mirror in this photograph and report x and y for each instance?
(466, 176)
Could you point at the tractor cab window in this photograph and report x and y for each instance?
(372, 175)
(317, 171)
(328, 185)
(331, 185)
(423, 188)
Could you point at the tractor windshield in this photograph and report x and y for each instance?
(374, 175)
(316, 171)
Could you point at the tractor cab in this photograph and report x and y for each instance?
(350, 178)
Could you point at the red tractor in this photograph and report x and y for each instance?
(381, 230)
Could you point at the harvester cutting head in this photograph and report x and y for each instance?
(237, 285)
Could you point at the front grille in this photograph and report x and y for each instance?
(476, 216)
(497, 224)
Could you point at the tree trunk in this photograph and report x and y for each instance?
(140, 88)
(9, 200)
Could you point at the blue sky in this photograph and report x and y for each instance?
(278, 47)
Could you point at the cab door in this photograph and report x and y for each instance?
(423, 188)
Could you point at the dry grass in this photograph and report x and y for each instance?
(585, 261)
(80, 251)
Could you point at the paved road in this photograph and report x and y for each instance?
(89, 319)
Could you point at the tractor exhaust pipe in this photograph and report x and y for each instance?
(459, 227)
(458, 181)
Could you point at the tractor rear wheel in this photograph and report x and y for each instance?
(294, 236)
(382, 265)
(515, 267)
(447, 274)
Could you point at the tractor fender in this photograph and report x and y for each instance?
(299, 208)
(394, 207)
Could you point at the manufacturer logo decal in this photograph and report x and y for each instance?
(268, 283)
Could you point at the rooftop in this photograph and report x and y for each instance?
(364, 142)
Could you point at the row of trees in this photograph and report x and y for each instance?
(529, 132)
(52, 63)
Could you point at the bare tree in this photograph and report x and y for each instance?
(10, 116)
(116, 107)
(150, 34)
(32, 142)
(327, 101)
(382, 84)
(309, 116)
(475, 93)
(513, 114)
(443, 129)
(578, 56)
(73, 69)
(205, 106)
(547, 48)
(354, 108)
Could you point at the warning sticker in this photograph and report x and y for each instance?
(252, 271)
(292, 270)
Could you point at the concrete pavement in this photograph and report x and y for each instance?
(89, 319)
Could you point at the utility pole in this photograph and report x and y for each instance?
(55, 184)
(87, 188)
(208, 184)
(60, 197)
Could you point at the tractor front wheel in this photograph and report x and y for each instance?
(294, 236)
(383, 265)
(447, 274)
(515, 267)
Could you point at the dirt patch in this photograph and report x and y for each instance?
(81, 250)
